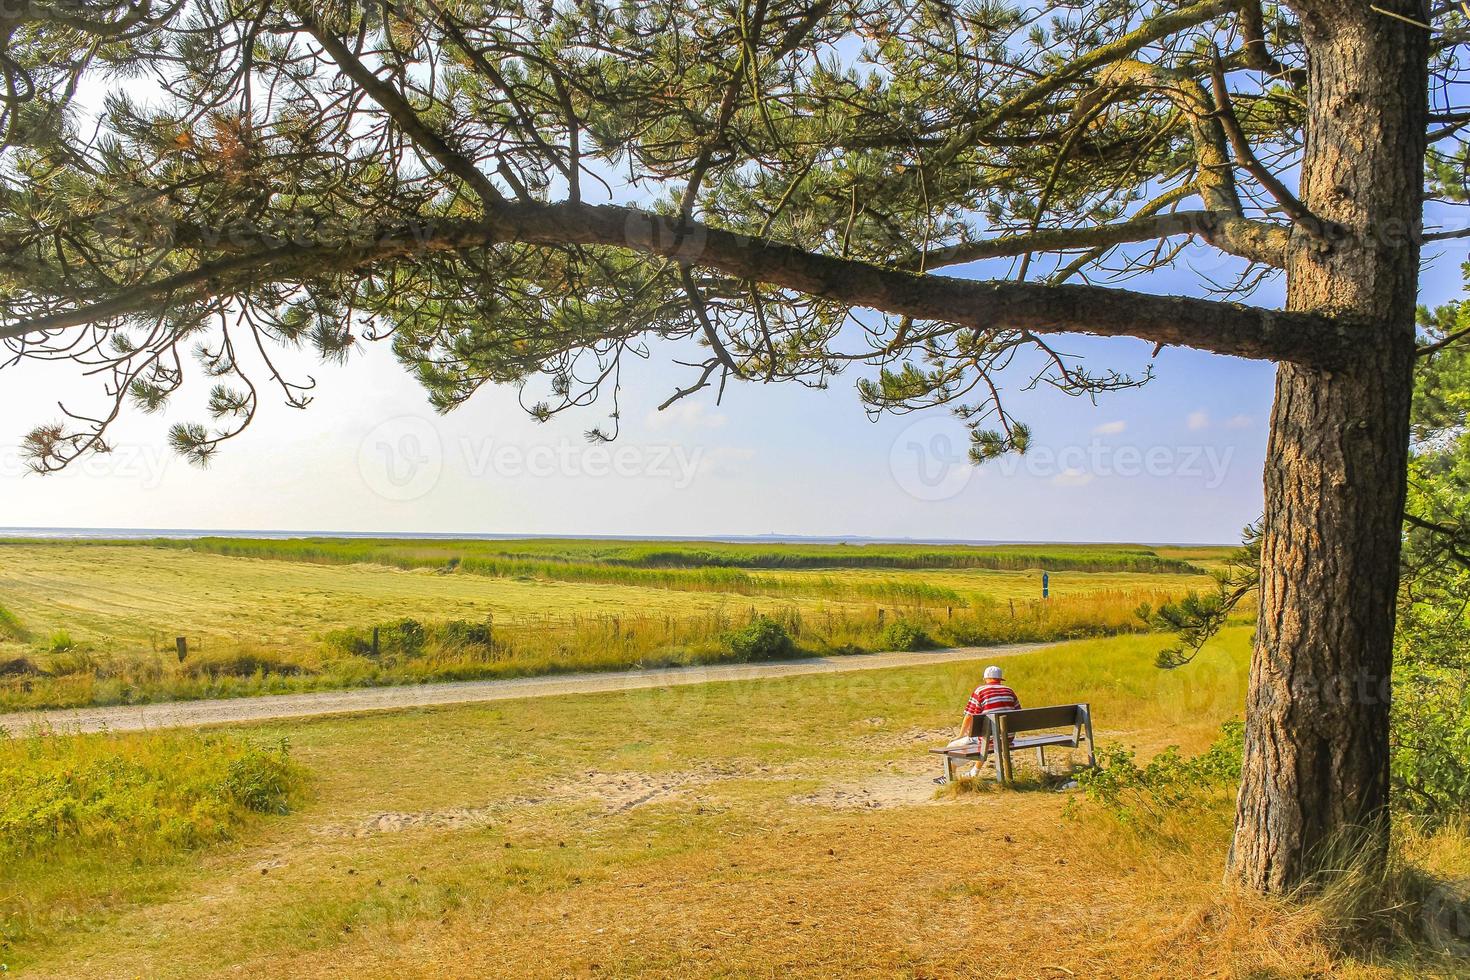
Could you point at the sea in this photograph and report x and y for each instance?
(143, 533)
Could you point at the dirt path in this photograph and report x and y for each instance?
(189, 714)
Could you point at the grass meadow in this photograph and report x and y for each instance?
(758, 828)
(95, 622)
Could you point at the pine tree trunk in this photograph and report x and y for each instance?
(1316, 752)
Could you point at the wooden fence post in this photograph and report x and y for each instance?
(181, 644)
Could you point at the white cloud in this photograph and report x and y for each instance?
(686, 414)
(726, 461)
(1072, 476)
(1198, 420)
(1239, 422)
(1110, 428)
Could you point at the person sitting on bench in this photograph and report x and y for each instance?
(991, 695)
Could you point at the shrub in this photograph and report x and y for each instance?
(60, 642)
(74, 661)
(135, 794)
(404, 637)
(763, 639)
(901, 634)
(1169, 782)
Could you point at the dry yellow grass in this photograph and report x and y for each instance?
(775, 828)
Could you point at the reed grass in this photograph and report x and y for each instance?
(694, 555)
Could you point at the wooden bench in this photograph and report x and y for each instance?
(1003, 727)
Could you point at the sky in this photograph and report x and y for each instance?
(1178, 460)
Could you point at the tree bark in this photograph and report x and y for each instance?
(1315, 781)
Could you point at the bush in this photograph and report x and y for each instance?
(404, 637)
(135, 794)
(763, 639)
(1169, 782)
(75, 662)
(904, 635)
(60, 642)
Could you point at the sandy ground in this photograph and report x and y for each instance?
(190, 714)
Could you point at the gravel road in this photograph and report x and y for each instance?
(229, 711)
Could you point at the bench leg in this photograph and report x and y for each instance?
(1041, 759)
(948, 769)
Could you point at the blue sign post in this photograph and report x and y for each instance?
(1045, 585)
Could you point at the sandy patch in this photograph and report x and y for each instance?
(875, 793)
(619, 792)
(914, 738)
(615, 792)
(392, 822)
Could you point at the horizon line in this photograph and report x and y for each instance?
(775, 537)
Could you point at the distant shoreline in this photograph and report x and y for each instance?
(134, 534)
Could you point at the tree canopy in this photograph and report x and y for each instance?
(198, 184)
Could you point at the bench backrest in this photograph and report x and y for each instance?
(1035, 719)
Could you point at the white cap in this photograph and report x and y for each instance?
(993, 673)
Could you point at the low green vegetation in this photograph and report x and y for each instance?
(1405, 915)
(134, 794)
(1430, 730)
(79, 809)
(1144, 796)
(762, 639)
(905, 634)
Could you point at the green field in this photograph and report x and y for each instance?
(96, 622)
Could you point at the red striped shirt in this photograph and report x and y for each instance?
(992, 697)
